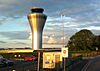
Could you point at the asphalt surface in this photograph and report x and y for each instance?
(78, 66)
(25, 66)
(93, 65)
(21, 66)
(84, 65)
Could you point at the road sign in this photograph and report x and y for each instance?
(65, 52)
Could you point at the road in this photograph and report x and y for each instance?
(79, 66)
(21, 66)
(84, 65)
(24, 66)
(93, 65)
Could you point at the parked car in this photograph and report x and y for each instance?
(1, 63)
(1, 56)
(30, 58)
(7, 62)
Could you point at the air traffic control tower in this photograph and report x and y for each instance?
(37, 21)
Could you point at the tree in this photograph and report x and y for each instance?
(97, 42)
(82, 40)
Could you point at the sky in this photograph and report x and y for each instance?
(74, 15)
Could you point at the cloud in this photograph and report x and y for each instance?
(90, 28)
(2, 42)
(22, 43)
(13, 45)
(30, 36)
(52, 40)
(2, 19)
(55, 40)
(96, 32)
(15, 35)
(10, 8)
(51, 7)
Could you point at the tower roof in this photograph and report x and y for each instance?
(37, 10)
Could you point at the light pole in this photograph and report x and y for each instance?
(63, 40)
(63, 29)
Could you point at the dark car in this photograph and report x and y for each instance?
(7, 62)
(2, 64)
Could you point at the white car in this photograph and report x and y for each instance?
(1, 56)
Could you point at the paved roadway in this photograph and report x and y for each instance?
(21, 66)
(79, 65)
(93, 65)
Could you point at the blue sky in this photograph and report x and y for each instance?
(77, 14)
